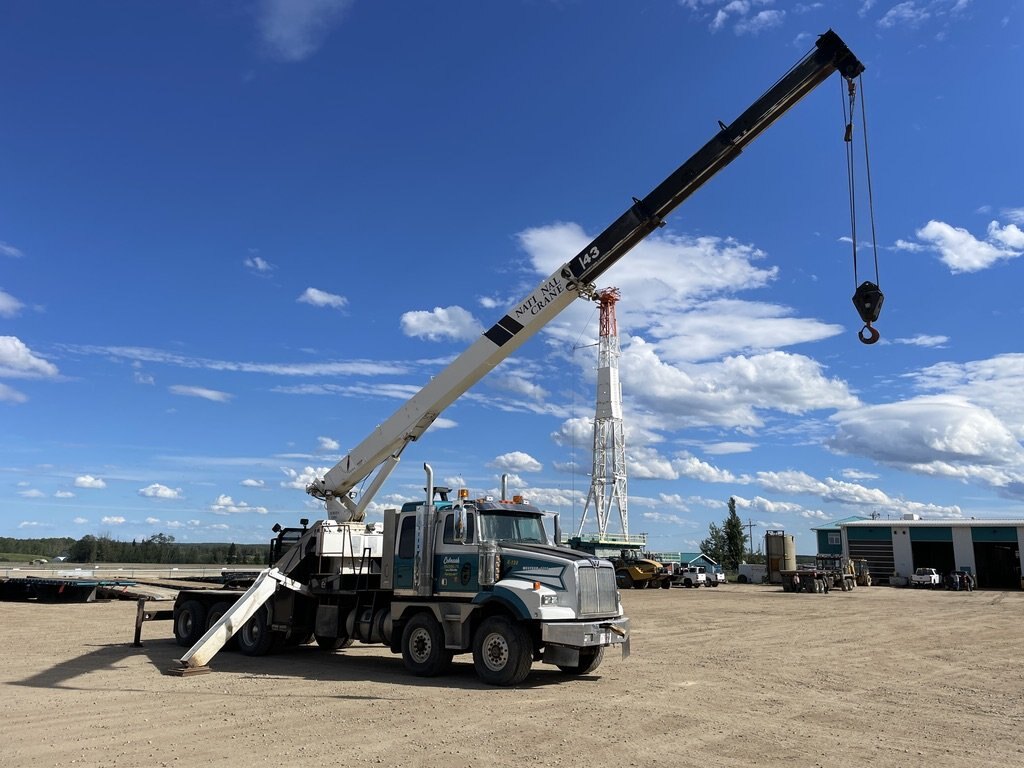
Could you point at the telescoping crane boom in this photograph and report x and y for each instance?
(380, 451)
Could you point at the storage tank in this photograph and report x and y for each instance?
(780, 552)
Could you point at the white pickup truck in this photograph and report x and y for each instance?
(926, 577)
(715, 576)
(691, 576)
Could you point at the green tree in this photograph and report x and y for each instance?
(735, 538)
(714, 545)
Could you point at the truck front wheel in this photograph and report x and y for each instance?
(590, 659)
(423, 648)
(502, 651)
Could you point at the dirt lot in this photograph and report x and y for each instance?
(735, 676)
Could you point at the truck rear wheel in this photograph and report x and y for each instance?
(256, 638)
(189, 623)
(742, 579)
(666, 584)
(423, 648)
(502, 651)
(590, 659)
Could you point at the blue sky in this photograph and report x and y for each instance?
(235, 236)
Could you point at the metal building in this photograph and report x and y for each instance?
(988, 549)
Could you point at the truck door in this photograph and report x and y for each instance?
(456, 563)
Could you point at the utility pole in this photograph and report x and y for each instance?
(750, 535)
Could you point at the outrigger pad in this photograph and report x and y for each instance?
(187, 671)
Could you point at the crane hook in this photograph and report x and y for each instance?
(868, 299)
(872, 334)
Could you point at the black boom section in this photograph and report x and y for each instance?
(830, 55)
(503, 330)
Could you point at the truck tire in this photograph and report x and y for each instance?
(742, 578)
(423, 648)
(624, 578)
(256, 638)
(688, 583)
(666, 584)
(189, 623)
(502, 651)
(332, 643)
(213, 616)
(590, 659)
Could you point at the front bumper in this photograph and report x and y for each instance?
(587, 634)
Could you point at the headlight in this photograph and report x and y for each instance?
(549, 599)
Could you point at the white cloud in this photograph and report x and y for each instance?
(64, 495)
(11, 395)
(942, 435)
(162, 357)
(1016, 215)
(139, 377)
(250, 483)
(200, 392)
(922, 340)
(158, 491)
(318, 298)
(962, 252)
(904, 14)
(299, 480)
(152, 520)
(732, 392)
(327, 444)
(645, 463)
(31, 493)
(225, 505)
(856, 474)
(33, 524)
(112, 520)
(9, 306)
(516, 461)
(718, 449)
(694, 468)
(725, 326)
(294, 30)
(442, 422)
(441, 323)
(759, 22)
(258, 264)
(1010, 235)
(19, 362)
(80, 520)
(9, 250)
(88, 481)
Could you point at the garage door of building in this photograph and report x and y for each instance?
(932, 547)
(874, 544)
(997, 558)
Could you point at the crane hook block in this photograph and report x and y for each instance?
(868, 300)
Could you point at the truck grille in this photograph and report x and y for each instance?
(598, 593)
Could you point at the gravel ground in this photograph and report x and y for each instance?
(741, 675)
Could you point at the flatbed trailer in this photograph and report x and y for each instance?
(817, 580)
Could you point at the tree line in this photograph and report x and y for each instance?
(159, 548)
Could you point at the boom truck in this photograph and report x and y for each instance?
(450, 576)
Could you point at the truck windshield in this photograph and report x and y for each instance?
(513, 527)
